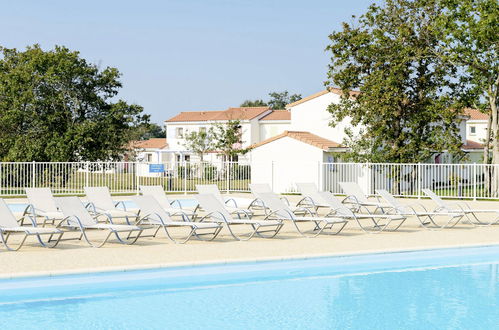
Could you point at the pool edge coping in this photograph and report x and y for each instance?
(83, 271)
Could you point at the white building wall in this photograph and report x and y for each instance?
(480, 130)
(312, 116)
(284, 162)
(270, 129)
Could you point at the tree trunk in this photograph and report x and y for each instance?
(486, 156)
(495, 143)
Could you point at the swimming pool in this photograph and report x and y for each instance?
(437, 289)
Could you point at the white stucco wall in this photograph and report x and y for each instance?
(312, 116)
(284, 162)
(270, 128)
(480, 128)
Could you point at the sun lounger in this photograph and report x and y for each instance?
(216, 212)
(42, 205)
(355, 195)
(229, 203)
(78, 218)
(462, 207)
(159, 195)
(9, 226)
(314, 197)
(281, 211)
(101, 202)
(425, 217)
(153, 214)
(263, 188)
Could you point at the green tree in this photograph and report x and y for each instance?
(406, 108)
(253, 103)
(149, 131)
(199, 142)
(469, 37)
(279, 100)
(227, 139)
(54, 106)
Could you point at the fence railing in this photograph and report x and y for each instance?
(475, 181)
(69, 178)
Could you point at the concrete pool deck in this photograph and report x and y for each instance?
(75, 256)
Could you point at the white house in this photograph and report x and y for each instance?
(284, 154)
(257, 124)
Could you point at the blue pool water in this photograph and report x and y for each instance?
(437, 289)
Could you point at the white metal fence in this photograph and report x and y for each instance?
(476, 181)
(121, 177)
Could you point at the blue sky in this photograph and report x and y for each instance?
(189, 55)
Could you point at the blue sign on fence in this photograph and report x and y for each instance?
(156, 168)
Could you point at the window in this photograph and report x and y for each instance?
(179, 132)
(148, 158)
(202, 130)
(472, 130)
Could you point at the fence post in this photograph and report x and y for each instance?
(137, 183)
(474, 181)
(185, 174)
(227, 176)
(87, 173)
(419, 180)
(33, 174)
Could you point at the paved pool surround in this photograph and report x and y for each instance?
(76, 257)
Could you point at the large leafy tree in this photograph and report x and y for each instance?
(406, 108)
(279, 100)
(55, 106)
(469, 37)
(253, 103)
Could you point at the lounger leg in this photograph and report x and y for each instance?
(274, 232)
(128, 240)
(8, 247)
(213, 234)
(178, 241)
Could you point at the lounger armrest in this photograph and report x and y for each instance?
(231, 200)
(67, 220)
(122, 203)
(414, 206)
(285, 199)
(176, 201)
(31, 218)
(280, 218)
(91, 207)
(147, 217)
(307, 199)
(209, 215)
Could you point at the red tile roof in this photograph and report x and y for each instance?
(155, 143)
(245, 113)
(333, 90)
(475, 114)
(472, 145)
(278, 115)
(306, 137)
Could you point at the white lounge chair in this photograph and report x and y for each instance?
(281, 211)
(78, 218)
(153, 214)
(356, 196)
(42, 204)
(410, 210)
(263, 188)
(159, 195)
(217, 212)
(101, 203)
(9, 226)
(314, 197)
(230, 204)
(462, 207)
